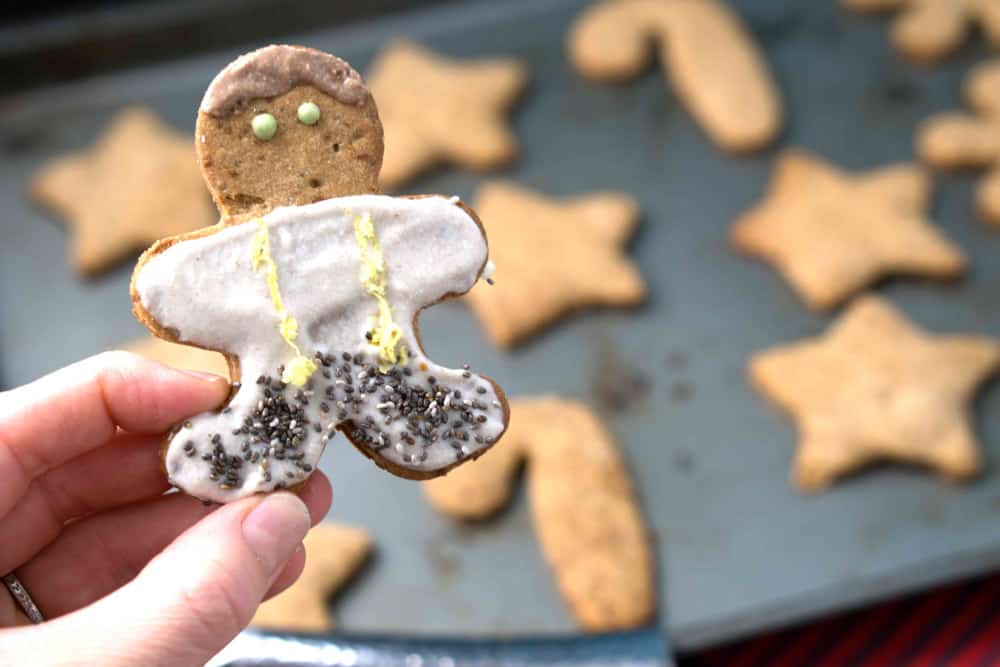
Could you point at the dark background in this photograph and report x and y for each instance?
(45, 42)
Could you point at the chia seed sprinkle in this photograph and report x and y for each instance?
(414, 410)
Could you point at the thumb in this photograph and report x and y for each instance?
(193, 598)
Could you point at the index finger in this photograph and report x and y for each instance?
(80, 407)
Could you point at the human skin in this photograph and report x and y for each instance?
(124, 574)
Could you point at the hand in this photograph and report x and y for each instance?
(124, 574)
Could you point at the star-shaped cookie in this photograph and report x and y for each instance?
(552, 256)
(588, 521)
(831, 233)
(877, 387)
(435, 109)
(334, 553)
(929, 30)
(954, 139)
(139, 183)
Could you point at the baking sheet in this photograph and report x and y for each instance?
(739, 550)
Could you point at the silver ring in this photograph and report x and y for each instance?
(20, 594)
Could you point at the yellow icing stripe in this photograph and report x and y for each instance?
(385, 334)
(299, 369)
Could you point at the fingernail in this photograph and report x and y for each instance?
(274, 529)
(200, 375)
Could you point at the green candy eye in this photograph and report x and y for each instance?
(308, 113)
(264, 126)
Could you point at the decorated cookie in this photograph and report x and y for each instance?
(334, 553)
(312, 293)
(831, 233)
(956, 139)
(713, 62)
(877, 387)
(929, 30)
(561, 255)
(586, 515)
(137, 184)
(438, 110)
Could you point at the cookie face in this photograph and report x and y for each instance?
(250, 170)
(710, 57)
(314, 305)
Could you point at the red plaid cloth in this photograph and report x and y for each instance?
(958, 626)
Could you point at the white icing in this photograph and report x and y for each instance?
(489, 270)
(206, 291)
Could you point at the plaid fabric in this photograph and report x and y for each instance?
(958, 626)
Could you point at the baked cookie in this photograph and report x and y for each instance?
(956, 139)
(586, 516)
(137, 184)
(707, 53)
(312, 293)
(832, 233)
(554, 256)
(929, 30)
(437, 110)
(877, 387)
(334, 553)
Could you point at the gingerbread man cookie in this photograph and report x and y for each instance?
(312, 292)
(952, 140)
(929, 30)
(712, 60)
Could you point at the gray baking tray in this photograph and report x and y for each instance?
(739, 550)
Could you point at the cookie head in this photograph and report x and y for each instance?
(286, 126)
